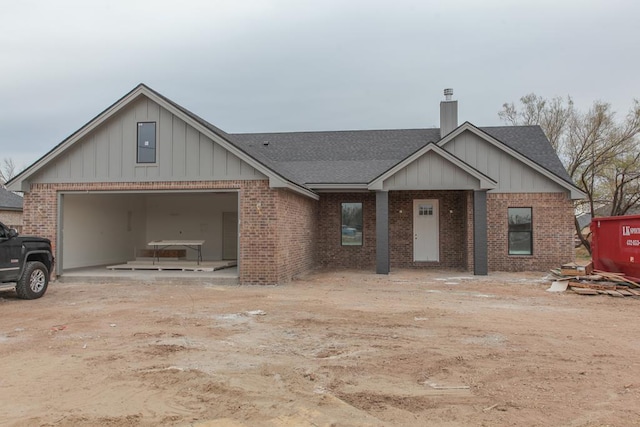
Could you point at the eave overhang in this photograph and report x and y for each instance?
(337, 188)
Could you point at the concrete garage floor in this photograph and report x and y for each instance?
(100, 274)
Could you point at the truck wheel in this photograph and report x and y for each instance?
(34, 281)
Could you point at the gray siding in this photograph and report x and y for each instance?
(512, 175)
(480, 245)
(108, 153)
(433, 172)
(382, 232)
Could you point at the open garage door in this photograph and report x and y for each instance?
(105, 228)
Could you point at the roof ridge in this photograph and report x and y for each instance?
(368, 130)
(331, 131)
(508, 126)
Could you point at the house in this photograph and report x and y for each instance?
(10, 209)
(459, 196)
(584, 225)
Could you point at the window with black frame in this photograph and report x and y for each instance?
(520, 231)
(146, 142)
(351, 224)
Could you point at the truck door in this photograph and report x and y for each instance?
(9, 256)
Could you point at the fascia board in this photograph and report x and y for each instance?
(575, 192)
(485, 181)
(16, 185)
(277, 182)
(337, 187)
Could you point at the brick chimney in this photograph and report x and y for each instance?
(448, 114)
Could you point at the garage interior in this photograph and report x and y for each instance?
(113, 229)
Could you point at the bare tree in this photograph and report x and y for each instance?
(600, 153)
(623, 182)
(552, 115)
(7, 170)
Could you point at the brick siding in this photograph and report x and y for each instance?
(553, 230)
(297, 234)
(331, 253)
(453, 229)
(283, 234)
(258, 224)
(552, 233)
(278, 234)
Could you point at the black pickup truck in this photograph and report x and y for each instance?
(26, 261)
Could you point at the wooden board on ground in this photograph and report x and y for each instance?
(163, 253)
(617, 277)
(597, 285)
(578, 268)
(614, 293)
(179, 265)
(584, 291)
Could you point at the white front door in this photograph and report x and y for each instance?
(426, 231)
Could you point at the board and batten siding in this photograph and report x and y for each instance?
(108, 153)
(512, 175)
(431, 171)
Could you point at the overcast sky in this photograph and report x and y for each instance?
(291, 65)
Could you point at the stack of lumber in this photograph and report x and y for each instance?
(600, 283)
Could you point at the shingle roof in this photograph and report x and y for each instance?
(10, 201)
(345, 157)
(341, 157)
(531, 142)
(357, 157)
(194, 116)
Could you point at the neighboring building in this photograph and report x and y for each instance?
(584, 224)
(460, 197)
(605, 210)
(10, 209)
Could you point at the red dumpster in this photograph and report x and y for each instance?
(615, 245)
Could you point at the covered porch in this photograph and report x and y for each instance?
(431, 229)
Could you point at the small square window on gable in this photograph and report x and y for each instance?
(146, 142)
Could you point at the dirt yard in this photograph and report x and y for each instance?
(333, 349)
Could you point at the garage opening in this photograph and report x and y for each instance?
(112, 229)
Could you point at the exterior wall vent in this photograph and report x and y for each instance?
(448, 93)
